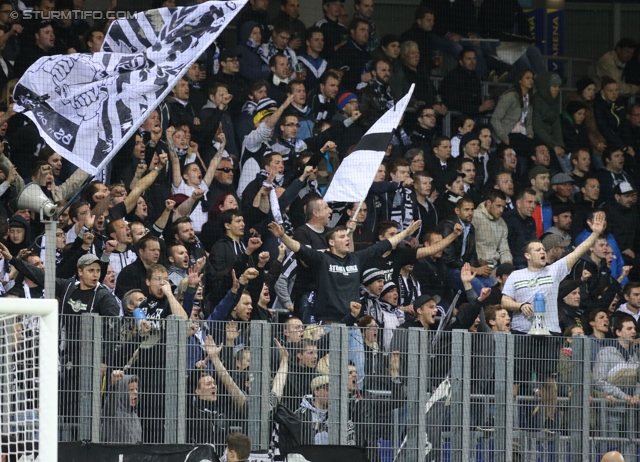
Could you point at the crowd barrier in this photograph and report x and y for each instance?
(455, 395)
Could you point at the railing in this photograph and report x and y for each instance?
(487, 394)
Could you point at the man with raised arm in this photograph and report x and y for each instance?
(539, 354)
(339, 269)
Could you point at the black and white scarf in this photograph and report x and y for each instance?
(402, 208)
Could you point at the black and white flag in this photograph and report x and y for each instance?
(95, 102)
(355, 175)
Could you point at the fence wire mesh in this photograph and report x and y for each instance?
(404, 395)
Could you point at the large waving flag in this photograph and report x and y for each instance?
(86, 106)
(355, 175)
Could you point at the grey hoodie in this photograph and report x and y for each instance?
(120, 421)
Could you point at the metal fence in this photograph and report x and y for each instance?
(459, 395)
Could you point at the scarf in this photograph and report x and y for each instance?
(402, 208)
(273, 196)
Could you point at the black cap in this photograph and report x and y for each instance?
(504, 268)
(424, 298)
(17, 221)
(229, 53)
(331, 1)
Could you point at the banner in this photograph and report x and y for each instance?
(555, 39)
(355, 175)
(81, 452)
(86, 106)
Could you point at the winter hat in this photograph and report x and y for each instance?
(583, 83)
(264, 108)
(555, 80)
(388, 286)
(18, 222)
(466, 138)
(566, 287)
(371, 275)
(344, 99)
(574, 106)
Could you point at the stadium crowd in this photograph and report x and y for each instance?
(214, 210)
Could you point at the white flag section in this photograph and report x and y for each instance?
(355, 175)
(95, 102)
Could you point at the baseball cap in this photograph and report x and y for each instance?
(553, 240)
(424, 298)
(561, 178)
(87, 260)
(624, 187)
(537, 170)
(319, 381)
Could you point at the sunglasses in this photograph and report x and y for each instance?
(225, 169)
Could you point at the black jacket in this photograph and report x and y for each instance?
(461, 91)
(521, 231)
(624, 224)
(132, 276)
(610, 119)
(452, 255)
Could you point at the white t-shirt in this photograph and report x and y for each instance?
(522, 285)
(198, 216)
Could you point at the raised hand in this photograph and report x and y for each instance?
(276, 229)
(458, 229)
(413, 227)
(284, 353)
(466, 275)
(110, 246)
(263, 259)
(254, 244)
(599, 223)
(194, 276)
(5, 252)
(211, 348)
(169, 205)
(140, 169)
(355, 308)
(282, 251)
(484, 293)
(248, 275)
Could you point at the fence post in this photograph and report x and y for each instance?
(457, 396)
(96, 383)
(580, 391)
(258, 399)
(417, 393)
(86, 376)
(503, 416)
(338, 408)
(172, 350)
(183, 326)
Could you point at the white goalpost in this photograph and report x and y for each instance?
(29, 379)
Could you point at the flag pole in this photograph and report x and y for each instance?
(356, 215)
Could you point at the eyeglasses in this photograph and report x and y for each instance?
(60, 235)
(232, 60)
(428, 115)
(225, 169)
(160, 280)
(291, 124)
